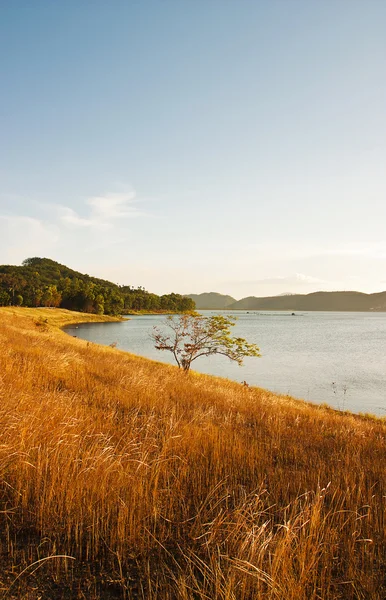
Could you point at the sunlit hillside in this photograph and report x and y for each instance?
(42, 282)
(125, 478)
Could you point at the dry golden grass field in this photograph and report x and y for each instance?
(125, 478)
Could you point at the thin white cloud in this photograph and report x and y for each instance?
(104, 210)
(22, 236)
(115, 206)
(70, 217)
(301, 278)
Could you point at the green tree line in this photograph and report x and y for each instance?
(44, 282)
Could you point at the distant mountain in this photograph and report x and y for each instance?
(211, 300)
(334, 301)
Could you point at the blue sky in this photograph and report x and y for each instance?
(236, 146)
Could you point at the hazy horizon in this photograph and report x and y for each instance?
(212, 291)
(182, 146)
(285, 293)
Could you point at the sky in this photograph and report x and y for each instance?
(236, 146)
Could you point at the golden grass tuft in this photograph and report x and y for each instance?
(158, 485)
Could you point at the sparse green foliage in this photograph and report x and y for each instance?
(193, 335)
(18, 300)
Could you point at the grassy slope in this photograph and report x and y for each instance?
(58, 317)
(163, 486)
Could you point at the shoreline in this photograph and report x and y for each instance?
(315, 404)
(59, 319)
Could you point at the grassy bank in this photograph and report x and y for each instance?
(151, 312)
(56, 317)
(161, 486)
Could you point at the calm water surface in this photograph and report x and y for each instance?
(337, 358)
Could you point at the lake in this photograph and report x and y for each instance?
(333, 357)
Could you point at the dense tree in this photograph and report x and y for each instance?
(51, 297)
(5, 298)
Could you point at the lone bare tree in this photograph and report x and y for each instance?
(192, 335)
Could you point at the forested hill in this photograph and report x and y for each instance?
(44, 282)
(334, 301)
